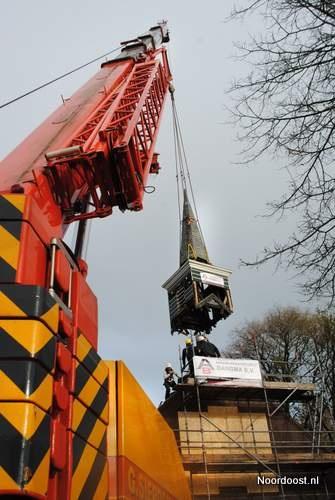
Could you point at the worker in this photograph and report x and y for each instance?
(201, 345)
(169, 381)
(206, 348)
(187, 357)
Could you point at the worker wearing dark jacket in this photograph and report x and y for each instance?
(187, 357)
(169, 380)
(206, 348)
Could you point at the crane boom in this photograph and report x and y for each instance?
(93, 153)
(100, 142)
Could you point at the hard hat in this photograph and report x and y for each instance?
(188, 341)
(168, 365)
(200, 337)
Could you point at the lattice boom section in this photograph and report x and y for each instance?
(90, 127)
(109, 158)
(135, 120)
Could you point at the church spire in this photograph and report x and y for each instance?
(192, 243)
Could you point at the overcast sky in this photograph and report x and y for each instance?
(130, 255)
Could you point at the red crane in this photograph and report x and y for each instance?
(93, 153)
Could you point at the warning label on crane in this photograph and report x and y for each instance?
(224, 368)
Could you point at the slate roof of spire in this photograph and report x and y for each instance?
(192, 244)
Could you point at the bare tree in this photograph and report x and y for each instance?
(286, 106)
(293, 345)
(281, 341)
(324, 349)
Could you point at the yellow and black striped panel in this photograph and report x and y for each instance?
(87, 425)
(90, 393)
(25, 448)
(89, 471)
(24, 339)
(11, 212)
(29, 301)
(27, 359)
(25, 380)
(89, 357)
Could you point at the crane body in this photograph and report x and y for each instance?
(58, 398)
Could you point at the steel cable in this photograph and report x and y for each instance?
(32, 91)
(182, 168)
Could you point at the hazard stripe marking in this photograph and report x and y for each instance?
(91, 423)
(89, 392)
(91, 360)
(17, 200)
(51, 317)
(8, 210)
(26, 375)
(39, 481)
(77, 451)
(41, 395)
(99, 403)
(105, 384)
(8, 308)
(10, 231)
(78, 446)
(25, 417)
(19, 454)
(32, 300)
(83, 346)
(29, 300)
(101, 373)
(10, 347)
(9, 247)
(7, 272)
(6, 482)
(103, 445)
(82, 376)
(88, 356)
(82, 471)
(102, 488)
(88, 471)
(25, 331)
(27, 356)
(12, 226)
(87, 425)
(93, 478)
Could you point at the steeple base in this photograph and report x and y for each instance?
(199, 296)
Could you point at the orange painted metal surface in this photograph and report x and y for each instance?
(41, 281)
(61, 126)
(144, 461)
(85, 308)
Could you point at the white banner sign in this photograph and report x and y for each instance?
(212, 279)
(223, 368)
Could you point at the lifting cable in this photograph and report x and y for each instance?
(11, 101)
(183, 177)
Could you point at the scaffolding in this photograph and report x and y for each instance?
(257, 440)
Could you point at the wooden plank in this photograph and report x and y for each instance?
(295, 458)
(289, 386)
(250, 431)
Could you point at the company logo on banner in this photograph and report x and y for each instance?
(224, 368)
